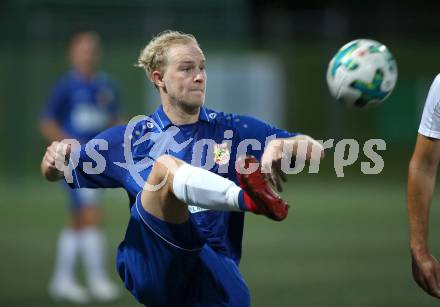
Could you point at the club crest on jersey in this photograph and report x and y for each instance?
(221, 154)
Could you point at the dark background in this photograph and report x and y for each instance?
(345, 243)
(302, 35)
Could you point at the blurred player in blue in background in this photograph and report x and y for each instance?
(183, 243)
(82, 103)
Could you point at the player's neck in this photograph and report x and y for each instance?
(86, 73)
(179, 115)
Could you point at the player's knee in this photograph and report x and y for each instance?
(162, 169)
(170, 162)
(90, 216)
(85, 218)
(164, 166)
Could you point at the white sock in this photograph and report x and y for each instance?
(92, 245)
(198, 187)
(67, 252)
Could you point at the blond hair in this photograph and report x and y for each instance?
(154, 55)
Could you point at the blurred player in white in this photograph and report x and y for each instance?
(421, 181)
(81, 104)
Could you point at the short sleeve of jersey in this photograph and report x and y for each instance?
(430, 123)
(97, 163)
(252, 128)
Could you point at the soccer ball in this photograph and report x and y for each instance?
(362, 73)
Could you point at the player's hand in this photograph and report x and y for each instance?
(426, 272)
(57, 153)
(300, 147)
(271, 164)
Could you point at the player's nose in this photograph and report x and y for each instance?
(200, 77)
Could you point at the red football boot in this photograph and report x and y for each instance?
(263, 200)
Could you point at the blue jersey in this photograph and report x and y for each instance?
(213, 143)
(83, 108)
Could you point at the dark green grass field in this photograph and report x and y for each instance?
(343, 244)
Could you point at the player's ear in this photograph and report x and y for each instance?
(157, 78)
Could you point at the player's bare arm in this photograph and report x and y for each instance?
(421, 181)
(56, 151)
(302, 145)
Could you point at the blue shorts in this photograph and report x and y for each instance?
(165, 264)
(81, 198)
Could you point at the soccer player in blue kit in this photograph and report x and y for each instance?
(190, 173)
(82, 103)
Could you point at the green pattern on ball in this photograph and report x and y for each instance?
(375, 49)
(341, 58)
(351, 64)
(378, 48)
(369, 90)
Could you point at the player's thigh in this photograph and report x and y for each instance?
(84, 207)
(83, 198)
(157, 197)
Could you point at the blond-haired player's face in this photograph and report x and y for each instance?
(184, 76)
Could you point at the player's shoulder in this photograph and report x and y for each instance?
(113, 134)
(435, 85)
(433, 98)
(131, 131)
(216, 117)
(142, 130)
(231, 120)
(430, 122)
(135, 136)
